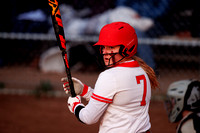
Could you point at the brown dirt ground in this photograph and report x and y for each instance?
(28, 114)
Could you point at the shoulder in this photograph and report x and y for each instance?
(109, 73)
(106, 77)
(106, 84)
(189, 124)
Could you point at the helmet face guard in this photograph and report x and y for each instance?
(112, 57)
(119, 33)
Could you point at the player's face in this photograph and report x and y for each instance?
(111, 54)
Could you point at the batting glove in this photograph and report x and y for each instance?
(79, 87)
(73, 102)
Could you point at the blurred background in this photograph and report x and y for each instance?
(31, 94)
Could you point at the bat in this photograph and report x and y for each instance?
(59, 32)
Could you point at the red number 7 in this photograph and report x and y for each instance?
(139, 78)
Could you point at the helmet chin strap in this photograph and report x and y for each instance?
(113, 59)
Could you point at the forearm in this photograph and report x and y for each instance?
(92, 112)
(87, 92)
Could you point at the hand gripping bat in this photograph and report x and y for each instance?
(59, 32)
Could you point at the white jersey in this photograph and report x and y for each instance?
(121, 99)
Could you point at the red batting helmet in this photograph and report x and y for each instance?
(119, 33)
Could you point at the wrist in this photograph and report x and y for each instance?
(76, 104)
(77, 110)
(85, 90)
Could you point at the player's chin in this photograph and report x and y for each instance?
(108, 64)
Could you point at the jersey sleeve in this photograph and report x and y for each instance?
(103, 93)
(92, 112)
(105, 88)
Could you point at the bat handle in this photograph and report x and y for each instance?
(73, 94)
(71, 85)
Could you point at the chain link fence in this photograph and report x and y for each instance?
(168, 34)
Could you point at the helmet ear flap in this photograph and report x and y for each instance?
(122, 51)
(125, 52)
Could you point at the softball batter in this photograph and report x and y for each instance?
(122, 93)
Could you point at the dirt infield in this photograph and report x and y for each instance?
(28, 114)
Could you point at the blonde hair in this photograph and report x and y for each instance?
(150, 72)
